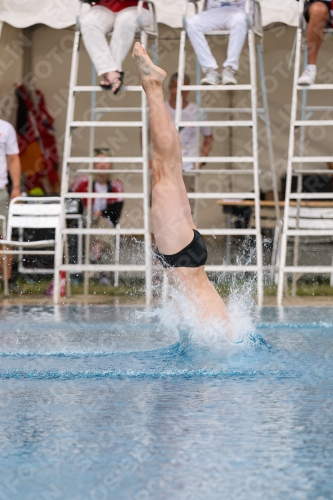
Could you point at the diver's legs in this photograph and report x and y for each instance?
(171, 214)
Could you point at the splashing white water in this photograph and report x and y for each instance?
(178, 314)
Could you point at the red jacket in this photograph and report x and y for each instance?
(117, 5)
(80, 185)
(114, 205)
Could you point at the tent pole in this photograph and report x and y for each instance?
(27, 56)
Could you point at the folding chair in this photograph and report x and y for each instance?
(31, 213)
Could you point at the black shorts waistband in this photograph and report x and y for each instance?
(193, 255)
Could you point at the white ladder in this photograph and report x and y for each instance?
(253, 160)
(306, 113)
(142, 162)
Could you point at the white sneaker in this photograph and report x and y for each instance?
(308, 77)
(212, 78)
(228, 76)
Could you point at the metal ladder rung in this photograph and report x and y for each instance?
(78, 268)
(216, 196)
(122, 231)
(312, 159)
(313, 171)
(216, 87)
(104, 195)
(316, 86)
(231, 110)
(309, 232)
(111, 171)
(310, 196)
(97, 88)
(308, 269)
(313, 123)
(219, 159)
(106, 124)
(220, 123)
(108, 159)
(117, 110)
(319, 108)
(225, 232)
(232, 268)
(218, 171)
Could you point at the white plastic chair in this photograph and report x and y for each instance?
(31, 213)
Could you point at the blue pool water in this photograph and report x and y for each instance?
(102, 403)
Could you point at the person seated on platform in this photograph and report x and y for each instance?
(106, 211)
(10, 186)
(121, 17)
(180, 247)
(187, 135)
(317, 14)
(218, 15)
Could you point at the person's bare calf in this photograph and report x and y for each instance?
(318, 19)
(171, 216)
(319, 16)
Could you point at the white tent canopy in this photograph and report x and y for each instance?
(62, 13)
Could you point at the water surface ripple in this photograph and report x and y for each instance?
(101, 403)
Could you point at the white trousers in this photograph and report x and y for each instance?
(222, 18)
(97, 23)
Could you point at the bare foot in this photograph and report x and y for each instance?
(149, 73)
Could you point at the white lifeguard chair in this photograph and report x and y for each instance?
(254, 28)
(142, 162)
(305, 214)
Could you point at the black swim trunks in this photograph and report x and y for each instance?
(307, 5)
(193, 255)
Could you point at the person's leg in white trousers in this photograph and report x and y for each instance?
(94, 27)
(222, 18)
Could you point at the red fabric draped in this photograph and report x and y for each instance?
(36, 139)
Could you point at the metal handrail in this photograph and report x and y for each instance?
(152, 10)
(4, 228)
